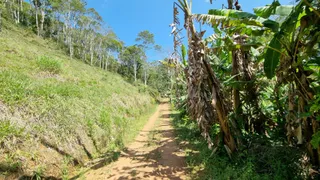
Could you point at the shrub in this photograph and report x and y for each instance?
(50, 65)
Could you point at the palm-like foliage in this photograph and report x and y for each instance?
(287, 47)
(229, 17)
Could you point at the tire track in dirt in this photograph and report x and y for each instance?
(153, 155)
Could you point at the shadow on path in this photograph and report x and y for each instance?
(154, 155)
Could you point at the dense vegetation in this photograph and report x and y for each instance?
(252, 87)
(248, 95)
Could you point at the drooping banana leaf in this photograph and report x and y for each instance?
(266, 11)
(230, 17)
(274, 9)
(287, 28)
(272, 57)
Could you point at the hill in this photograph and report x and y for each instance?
(57, 114)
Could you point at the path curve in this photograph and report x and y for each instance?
(153, 155)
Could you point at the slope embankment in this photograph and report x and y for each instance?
(57, 114)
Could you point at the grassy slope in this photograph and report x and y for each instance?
(51, 105)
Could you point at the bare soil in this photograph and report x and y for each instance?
(153, 155)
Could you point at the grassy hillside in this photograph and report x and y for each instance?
(55, 112)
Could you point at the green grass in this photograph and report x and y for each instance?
(13, 86)
(8, 130)
(10, 164)
(257, 162)
(47, 64)
(47, 94)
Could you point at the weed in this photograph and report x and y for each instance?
(48, 64)
(38, 173)
(13, 87)
(10, 164)
(65, 168)
(7, 130)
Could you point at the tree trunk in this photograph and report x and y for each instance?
(135, 70)
(20, 9)
(15, 15)
(107, 61)
(0, 19)
(37, 21)
(42, 18)
(84, 48)
(230, 4)
(70, 45)
(235, 92)
(18, 13)
(100, 55)
(21, 5)
(91, 52)
(202, 85)
(103, 66)
(310, 124)
(69, 32)
(145, 77)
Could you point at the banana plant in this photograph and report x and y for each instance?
(206, 102)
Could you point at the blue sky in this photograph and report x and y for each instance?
(128, 17)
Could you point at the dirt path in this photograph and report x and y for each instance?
(153, 155)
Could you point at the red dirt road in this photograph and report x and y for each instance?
(153, 155)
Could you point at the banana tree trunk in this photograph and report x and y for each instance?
(202, 85)
(310, 124)
(235, 91)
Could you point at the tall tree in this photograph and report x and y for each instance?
(131, 59)
(146, 42)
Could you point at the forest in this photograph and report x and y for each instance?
(245, 100)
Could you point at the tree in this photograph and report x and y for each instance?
(70, 11)
(146, 40)
(111, 45)
(131, 59)
(37, 4)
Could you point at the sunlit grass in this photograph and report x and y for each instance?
(47, 94)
